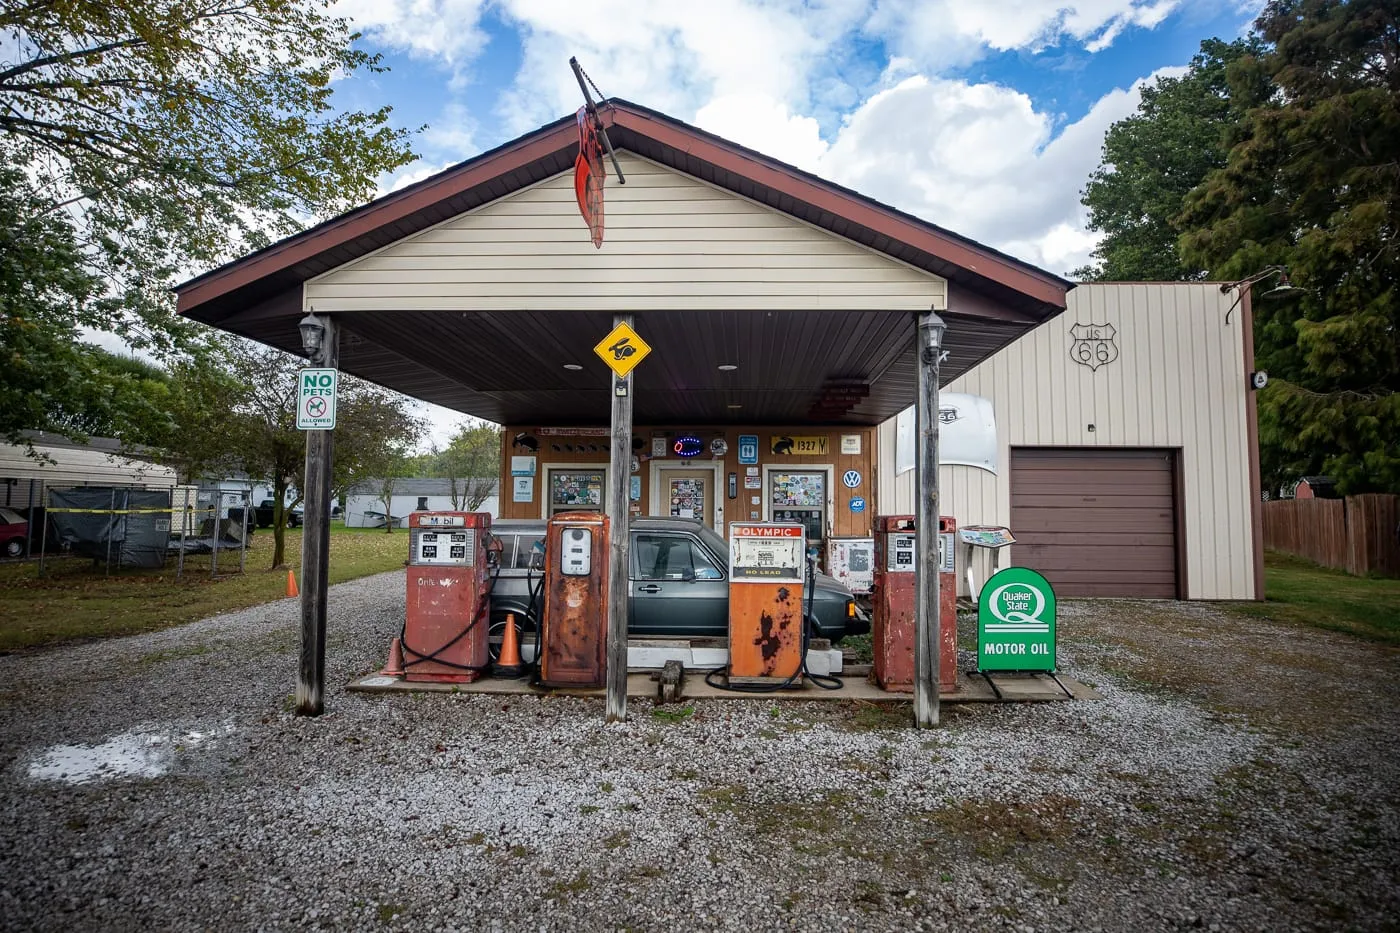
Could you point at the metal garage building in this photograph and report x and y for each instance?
(1126, 458)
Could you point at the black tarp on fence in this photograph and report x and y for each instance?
(121, 527)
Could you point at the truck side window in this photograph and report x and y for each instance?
(672, 557)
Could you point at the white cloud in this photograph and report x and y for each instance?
(766, 125)
(446, 30)
(938, 34)
(978, 159)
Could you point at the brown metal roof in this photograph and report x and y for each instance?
(508, 367)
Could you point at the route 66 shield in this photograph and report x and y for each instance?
(1094, 344)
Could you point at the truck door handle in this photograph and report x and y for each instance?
(649, 588)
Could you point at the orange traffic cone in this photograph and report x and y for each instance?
(292, 584)
(395, 666)
(509, 663)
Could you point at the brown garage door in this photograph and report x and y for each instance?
(1096, 522)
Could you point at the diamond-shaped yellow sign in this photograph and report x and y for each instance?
(622, 350)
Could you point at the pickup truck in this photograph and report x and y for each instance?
(263, 512)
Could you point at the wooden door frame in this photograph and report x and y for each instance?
(716, 467)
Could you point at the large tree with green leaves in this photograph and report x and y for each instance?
(1312, 182)
(145, 140)
(1152, 159)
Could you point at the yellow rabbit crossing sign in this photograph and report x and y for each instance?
(622, 350)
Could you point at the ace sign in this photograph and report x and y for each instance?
(316, 399)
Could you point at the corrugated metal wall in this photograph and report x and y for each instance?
(1178, 382)
(672, 242)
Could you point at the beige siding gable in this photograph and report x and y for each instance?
(671, 242)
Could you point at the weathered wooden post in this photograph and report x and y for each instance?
(321, 340)
(619, 484)
(927, 623)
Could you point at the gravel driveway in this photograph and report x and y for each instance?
(1237, 775)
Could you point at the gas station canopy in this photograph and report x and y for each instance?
(768, 295)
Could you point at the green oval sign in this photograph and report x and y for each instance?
(1016, 622)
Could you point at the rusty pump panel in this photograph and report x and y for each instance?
(574, 631)
(766, 573)
(449, 591)
(892, 631)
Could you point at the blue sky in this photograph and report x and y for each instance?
(983, 116)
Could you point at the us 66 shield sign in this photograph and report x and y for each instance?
(316, 399)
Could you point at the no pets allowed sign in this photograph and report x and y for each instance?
(316, 399)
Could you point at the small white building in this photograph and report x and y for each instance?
(364, 506)
(1124, 457)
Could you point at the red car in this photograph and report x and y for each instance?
(14, 532)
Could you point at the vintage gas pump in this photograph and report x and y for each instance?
(893, 625)
(766, 572)
(449, 585)
(574, 631)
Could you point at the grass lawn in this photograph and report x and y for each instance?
(74, 601)
(1301, 592)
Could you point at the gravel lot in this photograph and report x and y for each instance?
(1237, 775)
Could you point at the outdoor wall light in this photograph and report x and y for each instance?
(936, 327)
(313, 334)
(1283, 288)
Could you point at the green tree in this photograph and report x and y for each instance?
(236, 411)
(470, 462)
(144, 138)
(1311, 183)
(1152, 159)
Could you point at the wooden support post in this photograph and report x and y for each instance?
(927, 622)
(619, 486)
(315, 545)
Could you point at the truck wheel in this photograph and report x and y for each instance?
(14, 547)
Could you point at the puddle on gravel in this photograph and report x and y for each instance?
(141, 753)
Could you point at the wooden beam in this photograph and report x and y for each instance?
(315, 546)
(619, 487)
(926, 508)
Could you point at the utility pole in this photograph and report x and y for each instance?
(321, 340)
(927, 623)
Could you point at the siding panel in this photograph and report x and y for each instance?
(671, 241)
(1178, 384)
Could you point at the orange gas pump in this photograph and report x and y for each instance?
(892, 631)
(766, 572)
(574, 631)
(449, 585)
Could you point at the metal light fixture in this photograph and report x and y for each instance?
(313, 334)
(572, 367)
(727, 367)
(936, 328)
(1283, 288)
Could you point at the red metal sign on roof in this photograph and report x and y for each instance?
(589, 175)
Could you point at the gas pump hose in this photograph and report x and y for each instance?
(482, 605)
(825, 681)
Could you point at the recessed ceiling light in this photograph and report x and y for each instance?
(573, 367)
(727, 367)
(736, 406)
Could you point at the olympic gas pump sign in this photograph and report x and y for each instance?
(1016, 622)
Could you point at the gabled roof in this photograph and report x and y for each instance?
(506, 363)
(551, 150)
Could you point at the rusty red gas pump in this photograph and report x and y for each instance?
(574, 631)
(767, 563)
(449, 583)
(892, 631)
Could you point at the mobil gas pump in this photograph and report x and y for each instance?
(574, 631)
(766, 571)
(892, 631)
(449, 586)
